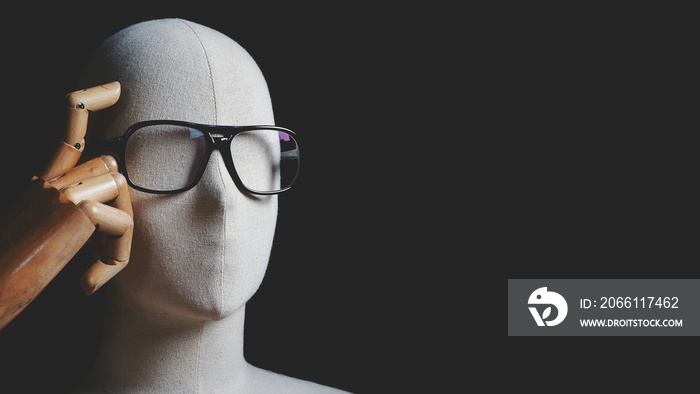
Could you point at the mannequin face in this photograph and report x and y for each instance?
(200, 253)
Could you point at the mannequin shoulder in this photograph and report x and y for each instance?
(270, 382)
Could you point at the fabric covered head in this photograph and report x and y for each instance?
(204, 252)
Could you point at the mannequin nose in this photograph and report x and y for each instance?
(216, 181)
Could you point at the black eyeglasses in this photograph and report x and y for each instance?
(167, 156)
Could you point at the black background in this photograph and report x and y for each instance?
(596, 134)
(354, 282)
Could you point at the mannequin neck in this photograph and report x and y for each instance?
(142, 351)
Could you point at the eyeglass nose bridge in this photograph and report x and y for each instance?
(222, 143)
(219, 139)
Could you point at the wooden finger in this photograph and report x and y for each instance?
(117, 245)
(70, 147)
(120, 248)
(116, 224)
(100, 273)
(95, 98)
(90, 169)
(73, 142)
(76, 125)
(109, 220)
(122, 202)
(101, 188)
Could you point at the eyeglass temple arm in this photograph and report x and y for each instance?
(79, 104)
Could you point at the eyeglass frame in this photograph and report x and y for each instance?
(117, 147)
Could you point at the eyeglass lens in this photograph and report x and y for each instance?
(167, 157)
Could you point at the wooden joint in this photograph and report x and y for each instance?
(64, 158)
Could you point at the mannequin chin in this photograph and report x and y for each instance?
(176, 313)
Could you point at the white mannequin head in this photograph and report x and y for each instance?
(175, 323)
(201, 253)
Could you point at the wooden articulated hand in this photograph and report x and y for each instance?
(61, 210)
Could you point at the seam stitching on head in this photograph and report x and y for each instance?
(221, 175)
(223, 254)
(199, 357)
(211, 76)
